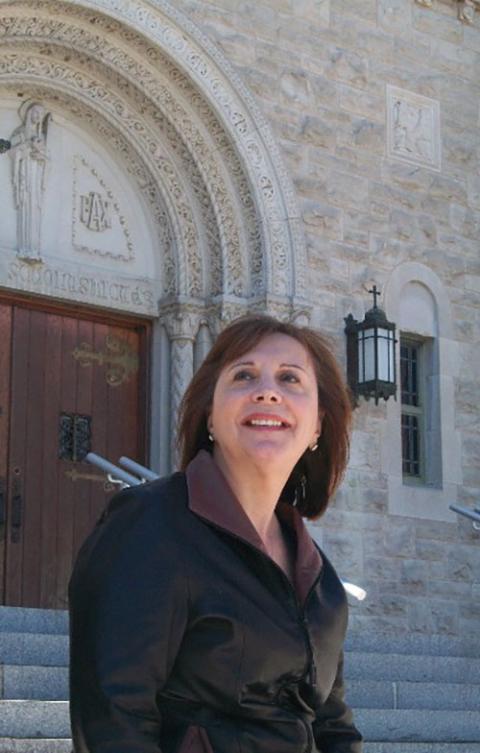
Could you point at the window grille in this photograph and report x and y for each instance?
(412, 409)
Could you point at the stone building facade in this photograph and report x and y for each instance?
(284, 156)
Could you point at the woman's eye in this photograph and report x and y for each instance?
(289, 376)
(243, 376)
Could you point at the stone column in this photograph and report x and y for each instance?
(182, 326)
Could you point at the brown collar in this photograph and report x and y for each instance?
(210, 497)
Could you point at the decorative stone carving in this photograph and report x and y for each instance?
(413, 128)
(182, 321)
(466, 10)
(163, 28)
(95, 211)
(29, 163)
(181, 374)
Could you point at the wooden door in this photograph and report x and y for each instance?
(73, 384)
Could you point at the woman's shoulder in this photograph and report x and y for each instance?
(155, 498)
(138, 519)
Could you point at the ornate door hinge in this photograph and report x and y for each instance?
(119, 357)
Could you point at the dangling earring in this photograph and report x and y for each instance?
(314, 447)
(300, 492)
(211, 437)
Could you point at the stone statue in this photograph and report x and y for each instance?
(29, 162)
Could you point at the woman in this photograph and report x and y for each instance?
(203, 617)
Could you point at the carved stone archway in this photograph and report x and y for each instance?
(141, 76)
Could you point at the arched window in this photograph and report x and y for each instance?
(421, 449)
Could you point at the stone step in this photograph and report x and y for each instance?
(50, 719)
(51, 684)
(34, 683)
(413, 643)
(417, 748)
(26, 620)
(30, 649)
(386, 725)
(34, 719)
(396, 667)
(59, 745)
(382, 694)
(36, 745)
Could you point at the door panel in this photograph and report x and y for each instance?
(5, 347)
(90, 373)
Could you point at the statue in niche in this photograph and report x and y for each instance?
(29, 163)
(412, 131)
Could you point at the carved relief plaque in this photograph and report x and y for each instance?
(98, 225)
(413, 128)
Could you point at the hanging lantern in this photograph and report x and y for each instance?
(371, 354)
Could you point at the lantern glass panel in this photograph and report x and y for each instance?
(385, 355)
(366, 355)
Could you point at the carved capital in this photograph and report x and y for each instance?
(182, 320)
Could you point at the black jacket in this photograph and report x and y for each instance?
(187, 638)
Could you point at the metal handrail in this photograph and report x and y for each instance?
(467, 512)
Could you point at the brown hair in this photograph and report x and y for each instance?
(316, 474)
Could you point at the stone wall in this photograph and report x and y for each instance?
(376, 191)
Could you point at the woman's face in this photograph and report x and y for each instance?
(265, 406)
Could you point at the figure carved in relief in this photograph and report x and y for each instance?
(466, 10)
(411, 129)
(29, 162)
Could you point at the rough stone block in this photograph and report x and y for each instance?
(399, 537)
(294, 85)
(345, 549)
(465, 221)
(314, 11)
(361, 103)
(413, 578)
(449, 189)
(474, 191)
(347, 190)
(347, 66)
(365, 9)
(317, 132)
(324, 219)
(438, 26)
(394, 15)
(426, 549)
(366, 134)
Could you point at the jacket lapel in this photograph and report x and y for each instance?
(210, 497)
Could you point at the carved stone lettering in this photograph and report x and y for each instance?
(95, 212)
(71, 283)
